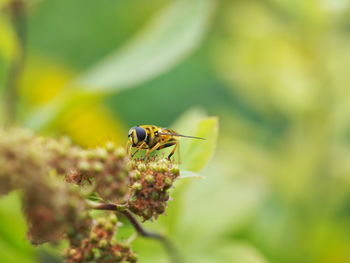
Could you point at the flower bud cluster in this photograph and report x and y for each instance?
(101, 246)
(103, 167)
(18, 157)
(55, 211)
(150, 182)
(50, 205)
(53, 176)
(142, 185)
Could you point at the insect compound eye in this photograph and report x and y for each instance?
(140, 133)
(131, 131)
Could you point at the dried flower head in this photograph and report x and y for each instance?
(150, 182)
(101, 246)
(56, 177)
(53, 211)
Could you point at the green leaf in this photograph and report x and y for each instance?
(172, 35)
(14, 246)
(237, 252)
(195, 154)
(3, 3)
(196, 123)
(168, 38)
(189, 174)
(224, 251)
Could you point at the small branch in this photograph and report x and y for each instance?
(106, 207)
(168, 245)
(17, 11)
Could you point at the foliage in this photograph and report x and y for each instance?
(275, 72)
(43, 170)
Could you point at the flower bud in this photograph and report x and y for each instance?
(149, 178)
(97, 166)
(175, 169)
(103, 243)
(120, 152)
(110, 147)
(142, 167)
(84, 165)
(137, 186)
(101, 153)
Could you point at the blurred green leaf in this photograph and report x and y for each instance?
(8, 40)
(14, 246)
(239, 252)
(195, 154)
(189, 174)
(166, 40)
(224, 251)
(194, 122)
(3, 3)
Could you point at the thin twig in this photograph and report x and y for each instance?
(17, 10)
(168, 245)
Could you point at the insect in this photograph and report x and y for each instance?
(151, 138)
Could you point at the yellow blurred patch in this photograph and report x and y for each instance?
(91, 125)
(8, 40)
(44, 80)
(86, 120)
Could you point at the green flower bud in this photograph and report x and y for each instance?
(101, 153)
(168, 181)
(130, 165)
(109, 227)
(101, 221)
(84, 165)
(72, 251)
(136, 175)
(103, 243)
(160, 209)
(133, 198)
(122, 175)
(164, 162)
(149, 178)
(113, 219)
(94, 238)
(175, 169)
(97, 166)
(118, 256)
(163, 168)
(137, 186)
(96, 252)
(110, 147)
(90, 154)
(120, 152)
(109, 178)
(142, 167)
(153, 166)
(132, 258)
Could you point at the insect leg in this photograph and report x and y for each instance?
(141, 146)
(135, 152)
(155, 147)
(173, 151)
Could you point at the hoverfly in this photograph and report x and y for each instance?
(152, 138)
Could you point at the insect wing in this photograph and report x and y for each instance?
(180, 135)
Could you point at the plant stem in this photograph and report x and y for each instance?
(17, 11)
(168, 245)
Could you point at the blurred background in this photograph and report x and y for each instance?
(275, 72)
